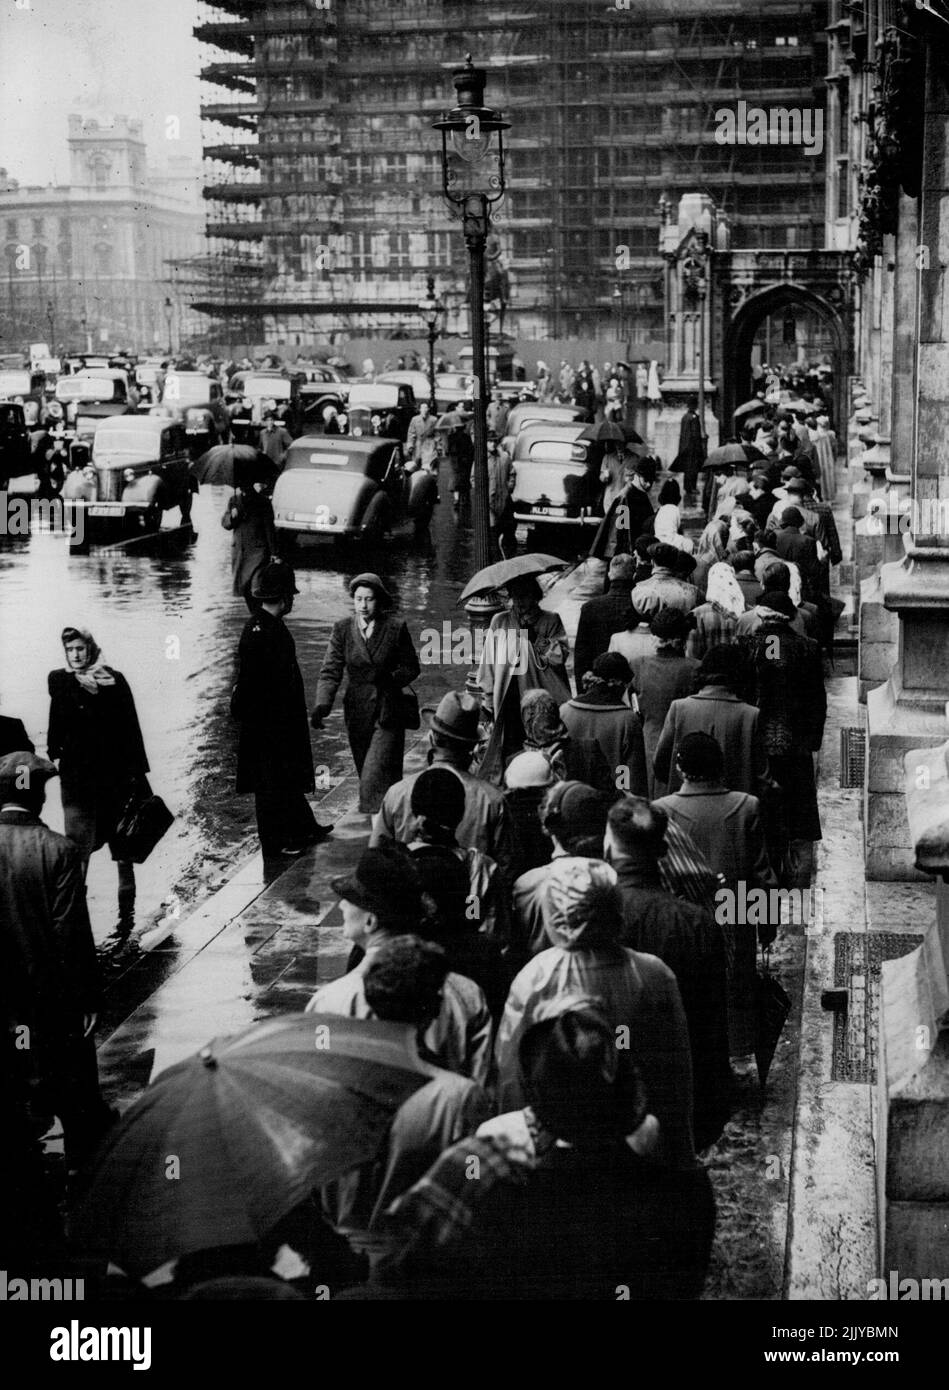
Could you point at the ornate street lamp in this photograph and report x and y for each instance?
(472, 180)
(169, 312)
(51, 320)
(431, 309)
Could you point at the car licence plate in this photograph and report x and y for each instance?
(548, 511)
(111, 509)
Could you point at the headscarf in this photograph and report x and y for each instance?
(95, 672)
(724, 590)
(711, 542)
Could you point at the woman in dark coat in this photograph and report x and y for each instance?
(95, 736)
(374, 650)
(274, 758)
(249, 517)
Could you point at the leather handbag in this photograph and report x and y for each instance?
(143, 821)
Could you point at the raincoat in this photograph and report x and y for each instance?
(636, 992)
(537, 664)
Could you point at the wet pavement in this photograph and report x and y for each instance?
(164, 615)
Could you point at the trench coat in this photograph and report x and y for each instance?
(273, 751)
(421, 442)
(735, 727)
(376, 674)
(98, 744)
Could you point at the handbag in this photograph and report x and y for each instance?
(143, 821)
(772, 1006)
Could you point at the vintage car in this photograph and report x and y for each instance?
(349, 488)
(382, 408)
(90, 397)
(139, 469)
(406, 377)
(182, 389)
(557, 480)
(251, 393)
(531, 412)
(452, 389)
(23, 384)
(206, 425)
(15, 460)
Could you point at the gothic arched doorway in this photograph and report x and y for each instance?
(742, 329)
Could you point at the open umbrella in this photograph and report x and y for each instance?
(611, 432)
(726, 454)
(233, 465)
(755, 407)
(752, 452)
(254, 1122)
(497, 575)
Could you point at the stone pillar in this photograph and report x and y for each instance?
(913, 1069)
(903, 357)
(907, 712)
(883, 389)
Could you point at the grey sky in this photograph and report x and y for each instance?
(98, 57)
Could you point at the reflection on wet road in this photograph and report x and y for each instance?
(168, 621)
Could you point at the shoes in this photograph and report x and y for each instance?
(320, 833)
(292, 851)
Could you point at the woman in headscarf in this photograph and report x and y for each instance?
(709, 551)
(525, 649)
(374, 650)
(668, 520)
(716, 620)
(95, 736)
(578, 759)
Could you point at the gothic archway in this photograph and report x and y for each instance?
(748, 315)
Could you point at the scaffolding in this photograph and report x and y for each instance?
(323, 182)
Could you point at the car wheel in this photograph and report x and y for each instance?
(378, 520)
(151, 518)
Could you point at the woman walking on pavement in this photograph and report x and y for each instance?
(94, 735)
(374, 650)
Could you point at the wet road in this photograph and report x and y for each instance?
(168, 621)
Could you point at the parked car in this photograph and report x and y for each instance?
(15, 458)
(557, 482)
(90, 397)
(342, 487)
(381, 408)
(139, 469)
(315, 396)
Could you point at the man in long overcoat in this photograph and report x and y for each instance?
(691, 453)
(274, 759)
(51, 987)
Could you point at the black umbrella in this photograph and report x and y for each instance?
(609, 432)
(234, 465)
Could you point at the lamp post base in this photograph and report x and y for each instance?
(481, 608)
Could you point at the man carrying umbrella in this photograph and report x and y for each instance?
(274, 760)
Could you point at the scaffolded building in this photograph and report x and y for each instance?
(324, 174)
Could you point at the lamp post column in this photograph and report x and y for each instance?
(476, 229)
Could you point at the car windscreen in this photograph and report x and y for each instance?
(126, 446)
(90, 388)
(324, 458)
(14, 383)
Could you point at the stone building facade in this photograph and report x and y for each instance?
(90, 264)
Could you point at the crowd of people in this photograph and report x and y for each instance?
(541, 903)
